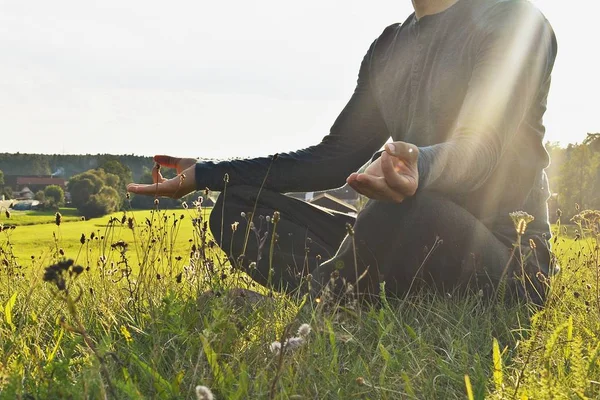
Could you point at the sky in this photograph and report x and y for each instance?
(229, 78)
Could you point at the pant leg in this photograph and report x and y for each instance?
(426, 241)
(305, 234)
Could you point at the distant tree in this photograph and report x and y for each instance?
(55, 196)
(7, 192)
(40, 196)
(578, 181)
(105, 202)
(111, 165)
(93, 193)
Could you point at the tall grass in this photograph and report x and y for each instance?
(139, 315)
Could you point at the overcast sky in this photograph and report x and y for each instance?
(223, 78)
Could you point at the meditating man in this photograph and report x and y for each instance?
(461, 89)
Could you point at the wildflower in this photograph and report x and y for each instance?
(184, 205)
(360, 381)
(130, 223)
(276, 217)
(82, 239)
(243, 214)
(126, 334)
(7, 213)
(56, 273)
(203, 393)
(57, 218)
(521, 219)
(268, 218)
(304, 330)
(294, 343)
(234, 226)
(532, 244)
(275, 347)
(226, 178)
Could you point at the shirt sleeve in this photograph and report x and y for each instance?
(355, 135)
(513, 58)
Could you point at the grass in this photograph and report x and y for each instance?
(139, 323)
(39, 244)
(24, 218)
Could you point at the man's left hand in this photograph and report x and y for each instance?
(392, 177)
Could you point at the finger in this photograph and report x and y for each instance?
(375, 188)
(157, 176)
(393, 174)
(407, 152)
(167, 161)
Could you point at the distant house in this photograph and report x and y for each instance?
(32, 182)
(24, 194)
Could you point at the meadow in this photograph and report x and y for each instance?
(149, 308)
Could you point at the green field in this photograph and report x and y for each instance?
(43, 240)
(155, 319)
(23, 218)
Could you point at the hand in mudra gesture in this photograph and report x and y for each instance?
(392, 177)
(179, 186)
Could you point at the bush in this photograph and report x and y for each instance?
(93, 193)
(54, 196)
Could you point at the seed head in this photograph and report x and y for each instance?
(276, 217)
(156, 202)
(7, 213)
(57, 218)
(304, 330)
(204, 393)
(275, 347)
(82, 239)
(521, 219)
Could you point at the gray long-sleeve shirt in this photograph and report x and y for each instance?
(468, 86)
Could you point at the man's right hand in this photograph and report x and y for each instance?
(392, 177)
(182, 184)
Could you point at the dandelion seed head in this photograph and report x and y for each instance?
(304, 330)
(294, 343)
(275, 347)
(204, 393)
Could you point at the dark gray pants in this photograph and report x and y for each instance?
(427, 241)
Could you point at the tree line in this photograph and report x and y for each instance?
(97, 183)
